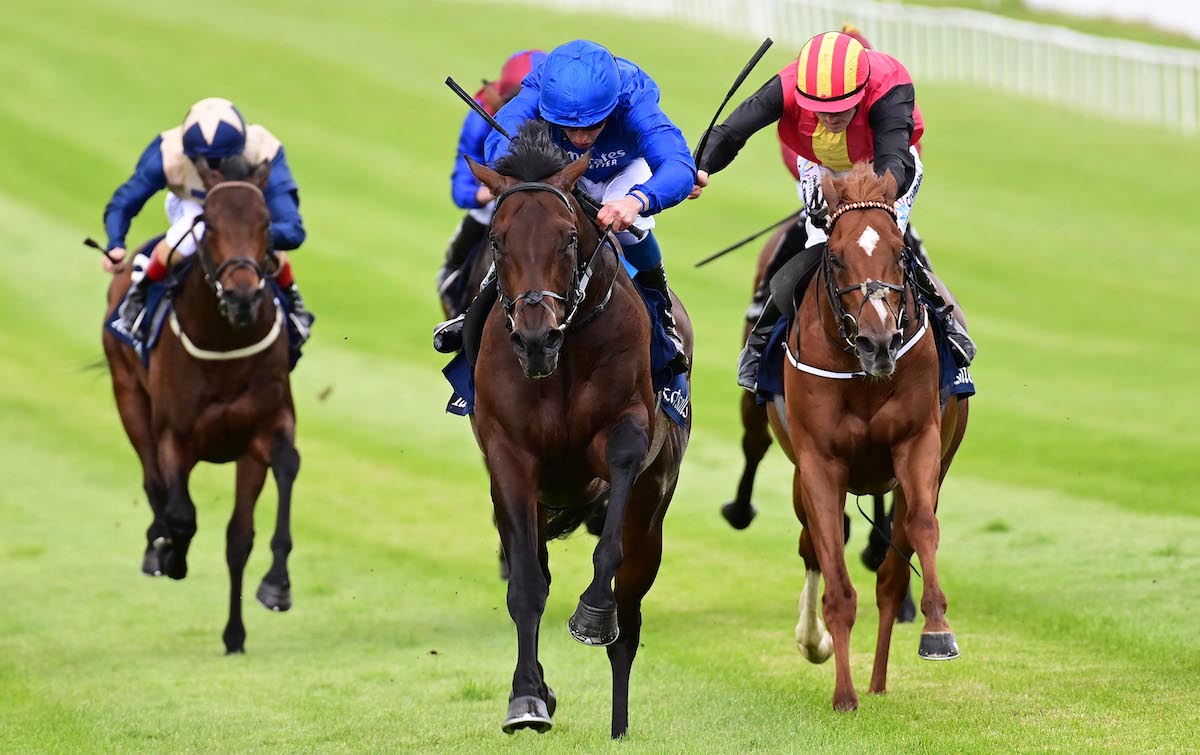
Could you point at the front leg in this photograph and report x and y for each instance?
(624, 446)
(275, 590)
(819, 492)
(918, 470)
(515, 473)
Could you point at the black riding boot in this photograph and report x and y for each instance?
(755, 343)
(448, 335)
(302, 318)
(938, 293)
(134, 304)
(470, 232)
(656, 278)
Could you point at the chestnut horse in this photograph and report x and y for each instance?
(565, 407)
(863, 415)
(216, 390)
(756, 440)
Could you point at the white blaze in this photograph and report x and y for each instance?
(868, 240)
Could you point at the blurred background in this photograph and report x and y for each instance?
(1061, 160)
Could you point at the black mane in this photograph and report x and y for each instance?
(532, 155)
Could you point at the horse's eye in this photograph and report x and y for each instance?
(495, 244)
(572, 243)
(833, 260)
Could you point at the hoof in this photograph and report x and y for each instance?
(873, 556)
(551, 701)
(938, 646)
(527, 712)
(594, 626)
(172, 560)
(240, 650)
(820, 653)
(908, 609)
(274, 598)
(846, 705)
(151, 563)
(738, 516)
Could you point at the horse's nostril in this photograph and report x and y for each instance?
(519, 341)
(554, 339)
(865, 345)
(897, 340)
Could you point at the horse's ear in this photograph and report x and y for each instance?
(261, 174)
(568, 176)
(890, 189)
(495, 182)
(208, 176)
(831, 191)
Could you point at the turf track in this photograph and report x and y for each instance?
(1070, 523)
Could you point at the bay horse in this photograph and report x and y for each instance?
(863, 415)
(756, 439)
(217, 389)
(565, 407)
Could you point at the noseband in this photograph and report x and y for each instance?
(871, 290)
(581, 274)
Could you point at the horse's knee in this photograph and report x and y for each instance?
(285, 459)
(628, 443)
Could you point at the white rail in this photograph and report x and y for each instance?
(1107, 77)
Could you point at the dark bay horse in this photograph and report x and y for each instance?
(756, 440)
(879, 427)
(565, 408)
(217, 390)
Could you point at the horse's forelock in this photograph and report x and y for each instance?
(862, 185)
(533, 155)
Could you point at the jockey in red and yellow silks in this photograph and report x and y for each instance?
(837, 104)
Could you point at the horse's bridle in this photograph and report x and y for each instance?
(213, 275)
(870, 289)
(581, 274)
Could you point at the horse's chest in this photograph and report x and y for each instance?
(219, 425)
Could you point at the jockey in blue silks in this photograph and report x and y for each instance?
(640, 162)
(212, 130)
(466, 191)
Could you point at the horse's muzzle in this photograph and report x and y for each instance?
(537, 352)
(242, 306)
(877, 352)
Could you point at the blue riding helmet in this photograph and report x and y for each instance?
(580, 85)
(213, 128)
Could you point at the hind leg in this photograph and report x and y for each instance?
(756, 439)
(239, 539)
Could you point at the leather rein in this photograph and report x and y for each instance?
(871, 290)
(581, 273)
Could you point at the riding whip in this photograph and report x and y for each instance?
(588, 203)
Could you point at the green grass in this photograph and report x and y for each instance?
(1070, 526)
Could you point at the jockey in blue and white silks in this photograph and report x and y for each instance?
(640, 162)
(466, 191)
(213, 129)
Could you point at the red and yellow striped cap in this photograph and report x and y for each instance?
(832, 73)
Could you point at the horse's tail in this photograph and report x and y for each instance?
(564, 521)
